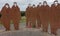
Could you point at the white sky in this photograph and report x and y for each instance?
(23, 3)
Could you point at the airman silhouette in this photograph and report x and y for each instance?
(54, 17)
(44, 16)
(5, 19)
(34, 16)
(0, 16)
(28, 11)
(38, 15)
(28, 16)
(15, 15)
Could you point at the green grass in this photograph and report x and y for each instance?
(23, 19)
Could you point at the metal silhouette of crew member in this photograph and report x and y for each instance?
(38, 15)
(15, 15)
(34, 16)
(28, 16)
(5, 19)
(44, 15)
(54, 17)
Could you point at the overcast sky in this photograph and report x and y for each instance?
(23, 3)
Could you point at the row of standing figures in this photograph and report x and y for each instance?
(44, 15)
(8, 14)
(35, 16)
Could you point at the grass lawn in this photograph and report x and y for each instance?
(23, 19)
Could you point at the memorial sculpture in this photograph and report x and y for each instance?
(15, 15)
(5, 18)
(54, 17)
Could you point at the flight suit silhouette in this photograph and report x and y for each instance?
(26, 14)
(38, 16)
(54, 18)
(16, 16)
(28, 17)
(44, 15)
(5, 19)
(59, 16)
(0, 16)
(34, 17)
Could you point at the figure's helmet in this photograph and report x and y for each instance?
(56, 2)
(40, 4)
(15, 3)
(7, 5)
(33, 5)
(29, 5)
(44, 3)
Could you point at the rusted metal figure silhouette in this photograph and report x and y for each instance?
(44, 16)
(38, 15)
(54, 17)
(28, 16)
(33, 16)
(0, 16)
(15, 15)
(5, 19)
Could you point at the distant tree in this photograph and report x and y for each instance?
(22, 13)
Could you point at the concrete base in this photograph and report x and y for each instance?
(25, 32)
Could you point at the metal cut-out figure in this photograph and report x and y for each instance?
(28, 16)
(38, 11)
(5, 19)
(44, 15)
(15, 15)
(54, 17)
